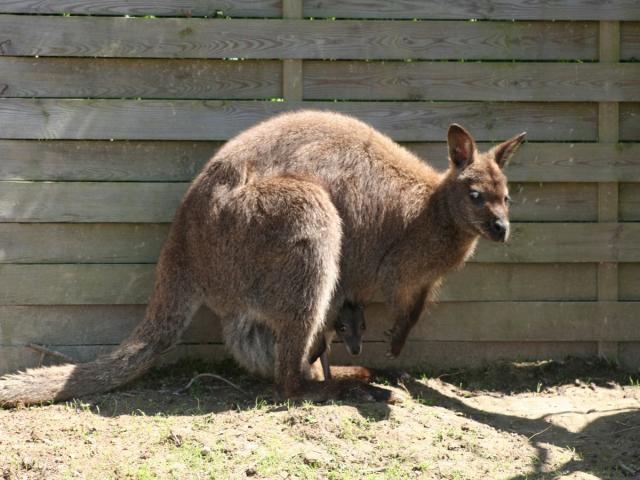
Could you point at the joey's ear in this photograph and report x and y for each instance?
(503, 152)
(461, 146)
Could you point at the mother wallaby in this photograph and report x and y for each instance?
(285, 215)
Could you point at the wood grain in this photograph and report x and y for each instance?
(81, 243)
(630, 41)
(453, 321)
(164, 8)
(139, 78)
(629, 282)
(220, 120)
(179, 161)
(266, 39)
(416, 355)
(629, 121)
(398, 9)
(132, 202)
(116, 284)
(483, 9)
(141, 243)
(629, 198)
(488, 81)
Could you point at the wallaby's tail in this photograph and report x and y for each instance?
(63, 382)
(170, 310)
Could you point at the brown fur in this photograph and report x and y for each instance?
(284, 214)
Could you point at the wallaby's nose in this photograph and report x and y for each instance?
(356, 350)
(500, 229)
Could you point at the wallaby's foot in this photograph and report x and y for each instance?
(397, 337)
(353, 390)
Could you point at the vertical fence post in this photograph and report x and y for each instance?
(608, 132)
(292, 68)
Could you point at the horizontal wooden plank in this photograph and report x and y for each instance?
(165, 8)
(555, 162)
(403, 9)
(220, 120)
(629, 202)
(629, 282)
(129, 202)
(630, 41)
(496, 81)
(135, 78)
(254, 39)
(415, 354)
(176, 161)
(630, 122)
(564, 242)
(133, 243)
(483, 9)
(90, 202)
(79, 284)
(464, 321)
(81, 243)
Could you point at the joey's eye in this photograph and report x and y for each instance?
(476, 196)
(342, 328)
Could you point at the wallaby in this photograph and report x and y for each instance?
(283, 215)
(349, 327)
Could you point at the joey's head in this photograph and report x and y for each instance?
(350, 327)
(477, 190)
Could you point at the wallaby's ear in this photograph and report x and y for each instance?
(461, 146)
(503, 152)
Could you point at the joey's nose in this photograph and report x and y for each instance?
(500, 229)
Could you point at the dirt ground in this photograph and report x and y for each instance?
(575, 420)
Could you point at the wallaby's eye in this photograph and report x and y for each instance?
(363, 326)
(342, 328)
(508, 200)
(476, 196)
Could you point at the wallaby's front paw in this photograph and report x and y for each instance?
(389, 354)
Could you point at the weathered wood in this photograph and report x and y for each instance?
(89, 325)
(164, 8)
(481, 10)
(629, 202)
(630, 41)
(103, 160)
(456, 321)
(255, 39)
(135, 243)
(415, 355)
(496, 81)
(134, 78)
(179, 161)
(78, 284)
(219, 120)
(90, 202)
(559, 162)
(81, 243)
(157, 202)
(402, 9)
(565, 242)
(629, 282)
(292, 69)
(629, 122)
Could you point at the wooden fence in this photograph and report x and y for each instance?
(109, 108)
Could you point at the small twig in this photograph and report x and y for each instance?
(626, 429)
(629, 470)
(51, 353)
(211, 375)
(540, 432)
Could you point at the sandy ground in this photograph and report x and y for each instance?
(573, 420)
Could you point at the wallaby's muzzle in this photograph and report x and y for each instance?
(498, 229)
